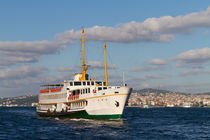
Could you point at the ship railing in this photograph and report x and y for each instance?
(49, 90)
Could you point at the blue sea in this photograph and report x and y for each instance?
(137, 123)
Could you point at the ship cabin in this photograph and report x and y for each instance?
(77, 89)
(73, 93)
(88, 86)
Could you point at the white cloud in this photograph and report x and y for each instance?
(156, 76)
(10, 60)
(194, 72)
(151, 30)
(27, 49)
(63, 69)
(158, 62)
(99, 65)
(137, 69)
(26, 52)
(193, 58)
(127, 33)
(155, 64)
(22, 73)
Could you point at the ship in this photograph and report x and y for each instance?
(83, 97)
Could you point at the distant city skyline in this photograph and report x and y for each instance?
(156, 44)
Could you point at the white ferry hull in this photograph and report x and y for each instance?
(107, 106)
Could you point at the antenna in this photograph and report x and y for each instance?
(124, 84)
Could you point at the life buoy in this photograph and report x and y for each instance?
(94, 91)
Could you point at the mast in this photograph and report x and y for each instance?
(84, 68)
(106, 77)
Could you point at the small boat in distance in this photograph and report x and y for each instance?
(83, 97)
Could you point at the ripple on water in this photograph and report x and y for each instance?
(137, 123)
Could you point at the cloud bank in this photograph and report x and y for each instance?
(194, 72)
(193, 58)
(22, 73)
(99, 65)
(151, 30)
(137, 69)
(26, 52)
(160, 29)
(64, 69)
(157, 76)
(158, 62)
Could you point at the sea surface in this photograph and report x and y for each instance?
(137, 123)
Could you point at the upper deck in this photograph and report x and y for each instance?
(72, 85)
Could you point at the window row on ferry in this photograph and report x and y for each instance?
(80, 91)
(87, 83)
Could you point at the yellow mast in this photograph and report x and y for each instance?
(84, 68)
(106, 77)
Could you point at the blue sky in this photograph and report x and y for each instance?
(157, 44)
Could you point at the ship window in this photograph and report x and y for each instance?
(88, 90)
(92, 83)
(74, 93)
(84, 83)
(83, 91)
(104, 83)
(71, 83)
(88, 83)
(99, 83)
(116, 92)
(67, 89)
(77, 83)
(99, 88)
(77, 91)
(104, 88)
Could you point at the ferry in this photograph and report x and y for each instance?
(83, 97)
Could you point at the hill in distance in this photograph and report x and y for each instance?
(26, 100)
(156, 91)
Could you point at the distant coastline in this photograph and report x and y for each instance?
(162, 98)
(145, 98)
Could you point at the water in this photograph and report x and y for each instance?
(137, 123)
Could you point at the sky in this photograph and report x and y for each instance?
(156, 44)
